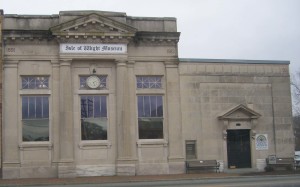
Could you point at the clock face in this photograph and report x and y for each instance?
(93, 82)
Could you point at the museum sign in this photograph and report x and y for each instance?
(94, 48)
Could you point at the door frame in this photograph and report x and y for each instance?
(243, 124)
(248, 140)
(239, 117)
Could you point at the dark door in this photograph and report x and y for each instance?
(238, 149)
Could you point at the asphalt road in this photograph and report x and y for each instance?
(253, 181)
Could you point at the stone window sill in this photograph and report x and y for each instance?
(95, 145)
(152, 143)
(35, 145)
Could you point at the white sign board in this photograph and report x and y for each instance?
(261, 142)
(94, 48)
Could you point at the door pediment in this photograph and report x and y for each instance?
(94, 25)
(240, 112)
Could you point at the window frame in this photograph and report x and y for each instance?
(35, 118)
(150, 118)
(35, 87)
(149, 82)
(46, 92)
(106, 117)
(152, 91)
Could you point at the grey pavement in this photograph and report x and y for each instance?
(151, 180)
(244, 181)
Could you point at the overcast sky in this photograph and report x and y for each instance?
(214, 29)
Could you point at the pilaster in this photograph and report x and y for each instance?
(66, 166)
(176, 157)
(126, 150)
(11, 129)
(55, 110)
(131, 114)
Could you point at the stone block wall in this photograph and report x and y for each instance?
(209, 90)
(31, 50)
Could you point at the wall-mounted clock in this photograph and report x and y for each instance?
(93, 82)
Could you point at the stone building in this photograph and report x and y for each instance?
(92, 93)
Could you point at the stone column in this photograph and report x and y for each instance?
(66, 166)
(176, 157)
(11, 129)
(125, 126)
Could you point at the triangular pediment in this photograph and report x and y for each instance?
(93, 25)
(240, 112)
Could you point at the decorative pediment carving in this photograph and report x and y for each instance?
(240, 112)
(95, 26)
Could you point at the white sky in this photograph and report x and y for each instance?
(215, 29)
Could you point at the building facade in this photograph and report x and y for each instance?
(92, 93)
(1, 63)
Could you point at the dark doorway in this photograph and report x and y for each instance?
(238, 149)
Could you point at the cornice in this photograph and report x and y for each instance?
(154, 59)
(144, 34)
(157, 38)
(27, 35)
(143, 38)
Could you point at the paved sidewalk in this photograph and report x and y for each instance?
(120, 179)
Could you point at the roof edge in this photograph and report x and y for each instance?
(30, 16)
(87, 12)
(142, 18)
(233, 61)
